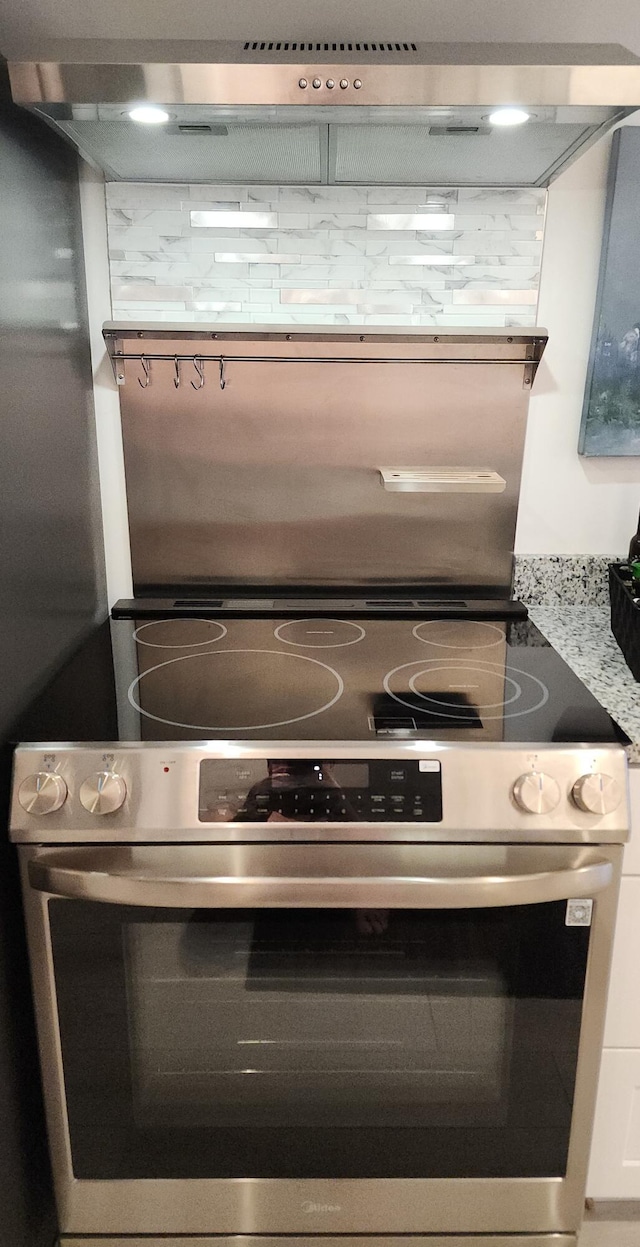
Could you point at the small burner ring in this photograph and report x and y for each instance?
(344, 623)
(154, 623)
(467, 623)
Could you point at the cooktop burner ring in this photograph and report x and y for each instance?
(467, 624)
(484, 668)
(249, 727)
(486, 705)
(154, 623)
(348, 623)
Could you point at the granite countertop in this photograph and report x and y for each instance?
(582, 636)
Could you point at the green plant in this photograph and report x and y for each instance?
(618, 404)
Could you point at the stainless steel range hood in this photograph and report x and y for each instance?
(335, 113)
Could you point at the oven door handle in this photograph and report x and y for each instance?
(119, 881)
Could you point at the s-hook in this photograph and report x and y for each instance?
(176, 379)
(223, 380)
(198, 364)
(146, 368)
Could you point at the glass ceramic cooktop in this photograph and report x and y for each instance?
(347, 679)
(357, 679)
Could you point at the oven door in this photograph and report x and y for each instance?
(320, 1039)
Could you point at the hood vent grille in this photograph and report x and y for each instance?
(380, 48)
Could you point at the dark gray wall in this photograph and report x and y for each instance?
(51, 565)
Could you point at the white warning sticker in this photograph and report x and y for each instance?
(579, 913)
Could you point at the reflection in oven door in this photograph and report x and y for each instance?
(231, 1023)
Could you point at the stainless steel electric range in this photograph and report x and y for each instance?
(320, 935)
(320, 927)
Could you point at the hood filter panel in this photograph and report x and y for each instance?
(261, 153)
(424, 155)
(296, 147)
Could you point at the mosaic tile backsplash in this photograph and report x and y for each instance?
(325, 255)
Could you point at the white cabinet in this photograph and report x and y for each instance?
(614, 1171)
(631, 864)
(623, 1009)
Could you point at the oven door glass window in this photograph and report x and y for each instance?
(318, 1043)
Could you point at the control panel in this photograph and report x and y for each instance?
(317, 83)
(348, 790)
(240, 791)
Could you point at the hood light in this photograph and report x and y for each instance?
(508, 117)
(148, 115)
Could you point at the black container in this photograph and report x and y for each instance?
(625, 615)
(634, 547)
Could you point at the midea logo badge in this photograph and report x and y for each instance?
(310, 1206)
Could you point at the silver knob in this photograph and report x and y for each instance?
(596, 793)
(302, 83)
(536, 793)
(357, 83)
(43, 793)
(103, 793)
(317, 82)
(344, 83)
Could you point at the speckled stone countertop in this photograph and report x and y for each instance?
(582, 636)
(556, 579)
(580, 631)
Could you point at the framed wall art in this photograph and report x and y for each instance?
(611, 411)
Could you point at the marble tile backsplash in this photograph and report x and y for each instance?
(325, 255)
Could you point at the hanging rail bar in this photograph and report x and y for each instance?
(118, 358)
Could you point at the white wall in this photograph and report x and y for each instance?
(30, 29)
(569, 504)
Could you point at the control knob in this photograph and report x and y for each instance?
(103, 793)
(596, 793)
(43, 793)
(536, 793)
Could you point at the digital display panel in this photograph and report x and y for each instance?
(323, 790)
